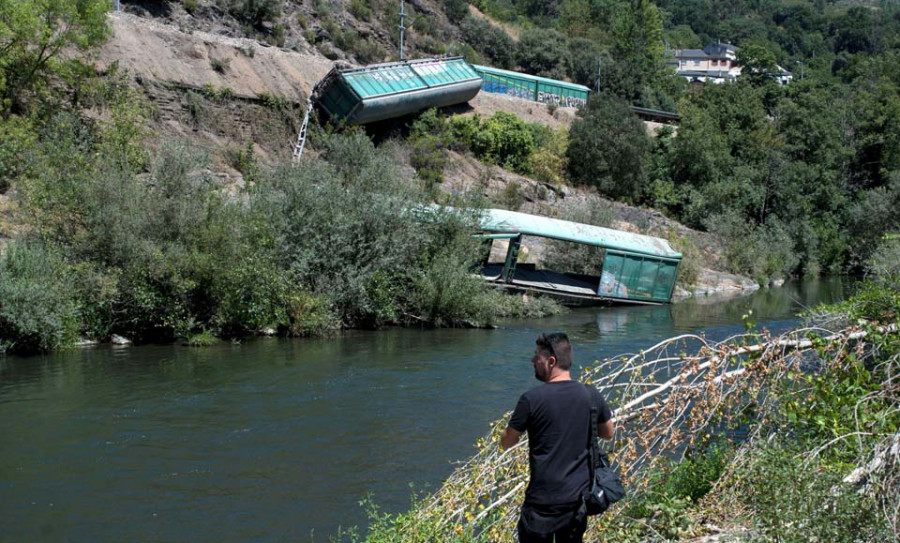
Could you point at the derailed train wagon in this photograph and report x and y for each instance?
(635, 269)
(393, 89)
(532, 87)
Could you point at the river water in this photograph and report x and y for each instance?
(278, 440)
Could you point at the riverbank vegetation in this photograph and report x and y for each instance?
(765, 438)
(116, 238)
(799, 179)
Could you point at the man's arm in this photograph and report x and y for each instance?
(605, 429)
(509, 438)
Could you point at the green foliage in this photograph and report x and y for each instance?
(764, 252)
(884, 265)
(503, 139)
(345, 229)
(17, 135)
(543, 53)
(33, 36)
(691, 264)
(202, 339)
(798, 500)
(368, 51)
(512, 197)
(456, 10)
(254, 12)
(525, 307)
(490, 41)
(361, 10)
(608, 147)
(38, 311)
(549, 162)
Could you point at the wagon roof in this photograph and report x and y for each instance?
(501, 220)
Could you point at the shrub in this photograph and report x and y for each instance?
(690, 266)
(513, 197)
(368, 51)
(38, 310)
(361, 10)
(763, 252)
(548, 164)
(254, 12)
(429, 159)
(798, 499)
(543, 53)
(489, 40)
(346, 224)
(456, 10)
(191, 6)
(505, 139)
(220, 65)
(884, 264)
(608, 148)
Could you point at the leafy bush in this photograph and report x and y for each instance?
(38, 310)
(504, 139)
(361, 10)
(763, 252)
(456, 10)
(368, 51)
(254, 12)
(608, 148)
(345, 231)
(543, 53)
(884, 264)
(490, 41)
(798, 500)
(549, 162)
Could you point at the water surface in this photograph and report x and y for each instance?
(278, 440)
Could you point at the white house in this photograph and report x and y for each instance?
(715, 63)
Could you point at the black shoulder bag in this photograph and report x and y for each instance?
(606, 487)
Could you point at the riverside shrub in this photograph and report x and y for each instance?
(346, 231)
(38, 311)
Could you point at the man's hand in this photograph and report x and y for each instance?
(509, 438)
(605, 429)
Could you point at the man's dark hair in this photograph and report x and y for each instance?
(556, 344)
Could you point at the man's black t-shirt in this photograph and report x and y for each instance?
(557, 418)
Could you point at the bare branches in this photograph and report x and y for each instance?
(669, 401)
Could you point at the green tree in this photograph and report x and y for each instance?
(757, 63)
(608, 148)
(33, 35)
(543, 53)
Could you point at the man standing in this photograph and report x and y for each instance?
(557, 417)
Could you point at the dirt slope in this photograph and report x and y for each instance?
(171, 66)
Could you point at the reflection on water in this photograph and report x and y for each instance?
(271, 440)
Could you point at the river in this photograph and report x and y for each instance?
(276, 440)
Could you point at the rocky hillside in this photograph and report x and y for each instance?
(231, 94)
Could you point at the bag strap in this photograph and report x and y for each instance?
(592, 433)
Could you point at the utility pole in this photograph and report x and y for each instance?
(599, 62)
(402, 28)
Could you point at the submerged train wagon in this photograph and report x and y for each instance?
(394, 89)
(531, 87)
(636, 268)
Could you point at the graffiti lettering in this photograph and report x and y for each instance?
(553, 98)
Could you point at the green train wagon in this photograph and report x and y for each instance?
(393, 89)
(636, 269)
(531, 87)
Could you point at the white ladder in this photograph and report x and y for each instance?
(301, 138)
